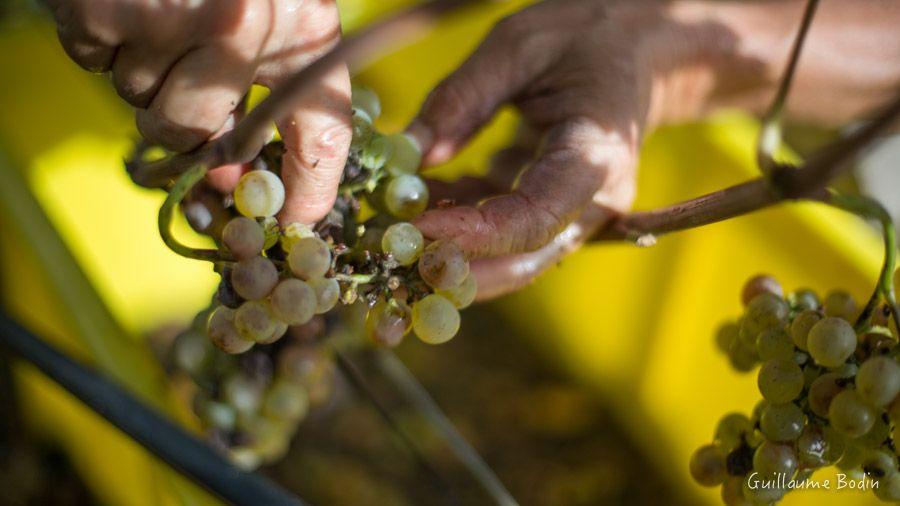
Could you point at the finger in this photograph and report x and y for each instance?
(138, 72)
(505, 63)
(196, 98)
(579, 158)
(501, 275)
(317, 138)
(87, 51)
(468, 191)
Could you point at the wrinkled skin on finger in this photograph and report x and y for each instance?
(186, 65)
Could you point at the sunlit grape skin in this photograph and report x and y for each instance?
(254, 278)
(294, 301)
(443, 265)
(310, 257)
(435, 320)
(404, 242)
(707, 466)
(406, 196)
(243, 237)
(223, 332)
(831, 341)
(259, 194)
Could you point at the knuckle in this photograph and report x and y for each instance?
(159, 129)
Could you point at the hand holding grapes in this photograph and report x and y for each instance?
(590, 77)
(185, 66)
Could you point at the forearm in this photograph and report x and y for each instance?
(734, 54)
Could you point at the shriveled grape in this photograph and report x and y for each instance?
(443, 265)
(387, 323)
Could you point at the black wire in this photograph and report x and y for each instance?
(160, 436)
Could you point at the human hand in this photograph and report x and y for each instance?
(575, 70)
(185, 66)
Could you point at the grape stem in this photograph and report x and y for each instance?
(771, 131)
(166, 213)
(884, 291)
(249, 136)
(785, 183)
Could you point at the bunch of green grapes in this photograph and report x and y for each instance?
(279, 278)
(282, 275)
(830, 388)
(250, 405)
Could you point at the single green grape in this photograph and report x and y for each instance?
(254, 278)
(849, 414)
(258, 194)
(765, 311)
(726, 335)
(406, 155)
(879, 463)
(804, 299)
(732, 492)
(366, 100)
(310, 257)
(780, 380)
(218, 415)
(801, 325)
(224, 334)
(435, 319)
(732, 430)
(255, 322)
(387, 323)
(404, 242)
(707, 466)
(758, 491)
(743, 358)
(243, 237)
(761, 283)
(327, 293)
(822, 391)
(888, 489)
(774, 458)
(774, 343)
(406, 196)
(191, 350)
(812, 447)
(285, 400)
(294, 301)
(241, 393)
(840, 304)
(443, 265)
(831, 341)
(878, 380)
(782, 422)
(463, 295)
(877, 435)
